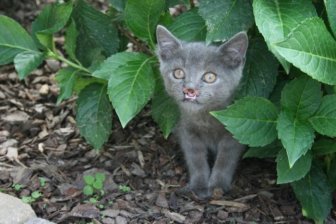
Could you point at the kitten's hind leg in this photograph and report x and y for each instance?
(228, 155)
(195, 153)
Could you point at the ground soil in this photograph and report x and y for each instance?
(47, 155)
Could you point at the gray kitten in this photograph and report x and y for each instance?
(202, 79)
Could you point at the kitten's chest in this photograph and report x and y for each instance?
(203, 126)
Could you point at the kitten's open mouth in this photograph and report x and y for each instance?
(189, 97)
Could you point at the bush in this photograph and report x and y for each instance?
(287, 112)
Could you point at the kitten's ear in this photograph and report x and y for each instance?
(167, 42)
(234, 50)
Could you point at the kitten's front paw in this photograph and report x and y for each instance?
(201, 193)
(220, 181)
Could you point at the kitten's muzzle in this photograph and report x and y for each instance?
(190, 93)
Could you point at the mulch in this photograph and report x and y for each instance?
(39, 142)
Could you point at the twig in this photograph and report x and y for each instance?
(228, 203)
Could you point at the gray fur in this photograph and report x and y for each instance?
(197, 131)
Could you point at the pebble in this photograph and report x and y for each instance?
(14, 211)
(44, 90)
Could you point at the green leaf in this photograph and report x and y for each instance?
(142, 18)
(130, 87)
(100, 177)
(330, 7)
(94, 115)
(288, 174)
(36, 194)
(296, 136)
(332, 174)
(275, 19)
(268, 151)
(225, 18)
(324, 120)
(70, 43)
(88, 190)
(66, 78)
(302, 97)
(51, 20)
(88, 179)
(165, 112)
(251, 120)
(98, 184)
(118, 4)
(109, 66)
(189, 26)
(300, 50)
(260, 71)
(314, 194)
(324, 146)
(13, 40)
(96, 34)
(27, 61)
(27, 199)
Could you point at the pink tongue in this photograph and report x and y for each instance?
(190, 96)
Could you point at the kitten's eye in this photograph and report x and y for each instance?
(209, 77)
(179, 74)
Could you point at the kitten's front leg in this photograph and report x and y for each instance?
(228, 155)
(195, 153)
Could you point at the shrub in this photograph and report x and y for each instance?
(287, 112)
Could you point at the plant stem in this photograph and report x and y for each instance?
(70, 63)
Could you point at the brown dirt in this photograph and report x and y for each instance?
(45, 143)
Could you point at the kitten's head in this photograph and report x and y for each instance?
(197, 76)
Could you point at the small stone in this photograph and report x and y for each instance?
(223, 215)
(121, 220)
(110, 213)
(44, 90)
(53, 65)
(12, 76)
(13, 210)
(108, 221)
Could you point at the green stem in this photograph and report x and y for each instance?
(70, 63)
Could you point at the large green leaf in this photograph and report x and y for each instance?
(302, 97)
(51, 20)
(251, 120)
(297, 136)
(276, 18)
(66, 78)
(70, 43)
(26, 61)
(189, 26)
(225, 18)
(268, 151)
(130, 87)
(94, 115)
(142, 18)
(324, 146)
(288, 174)
(118, 4)
(260, 71)
(97, 34)
(109, 66)
(13, 40)
(314, 193)
(332, 174)
(164, 110)
(324, 120)
(331, 12)
(300, 49)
